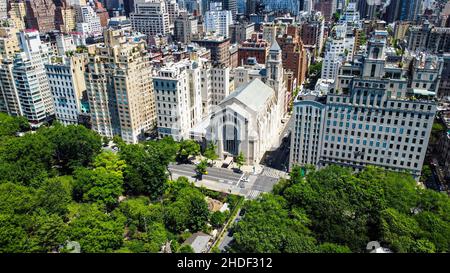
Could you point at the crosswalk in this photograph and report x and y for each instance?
(269, 172)
(253, 194)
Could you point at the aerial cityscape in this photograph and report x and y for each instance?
(224, 126)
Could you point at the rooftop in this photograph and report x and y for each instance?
(253, 95)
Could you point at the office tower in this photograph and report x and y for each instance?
(119, 87)
(403, 10)
(185, 27)
(17, 13)
(88, 23)
(40, 15)
(218, 20)
(178, 98)
(230, 5)
(67, 83)
(31, 79)
(150, 18)
(374, 121)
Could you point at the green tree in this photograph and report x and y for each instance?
(201, 168)
(9, 125)
(268, 227)
(104, 183)
(239, 160)
(27, 160)
(398, 230)
(55, 195)
(188, 148)
(145, 172)
(217, 219)
(188, 211)
(75, 145)
(333, 248)
(210, 152)
(185, 249)
(96, 231)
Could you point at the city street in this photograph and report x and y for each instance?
(225, 180)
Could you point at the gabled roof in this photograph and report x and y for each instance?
(275, 46)
(253, 95)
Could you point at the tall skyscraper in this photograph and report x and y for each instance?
(31, 79)
(230, 5)
(119, 87)
(218, 20)
(178, 98)
(67, 83)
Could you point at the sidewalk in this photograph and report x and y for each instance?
(251, 169)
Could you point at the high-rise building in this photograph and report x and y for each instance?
(178, 98)
(66, 78)
(88, 22)
(31, 79)
(230, 5)
(241, 31)
(119, 87)
(151, 18)
(374, 122)
(403, 10)
(9, 96)
(185, 27)
(3, 9)
(17, 13)
(219, 47)
(40, 15)
(173, 10)
(294, 54)
(218, 20)
(9, 43)
(255, 47)
(326, 7)
(65, 17)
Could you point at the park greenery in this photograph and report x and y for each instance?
(334, 210)
(60, 185)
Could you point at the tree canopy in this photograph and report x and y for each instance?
(340, 211)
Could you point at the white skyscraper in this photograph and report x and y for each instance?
(178, 98)
(88, 21)
(66, 78)
(218, 20)
(31, 78)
